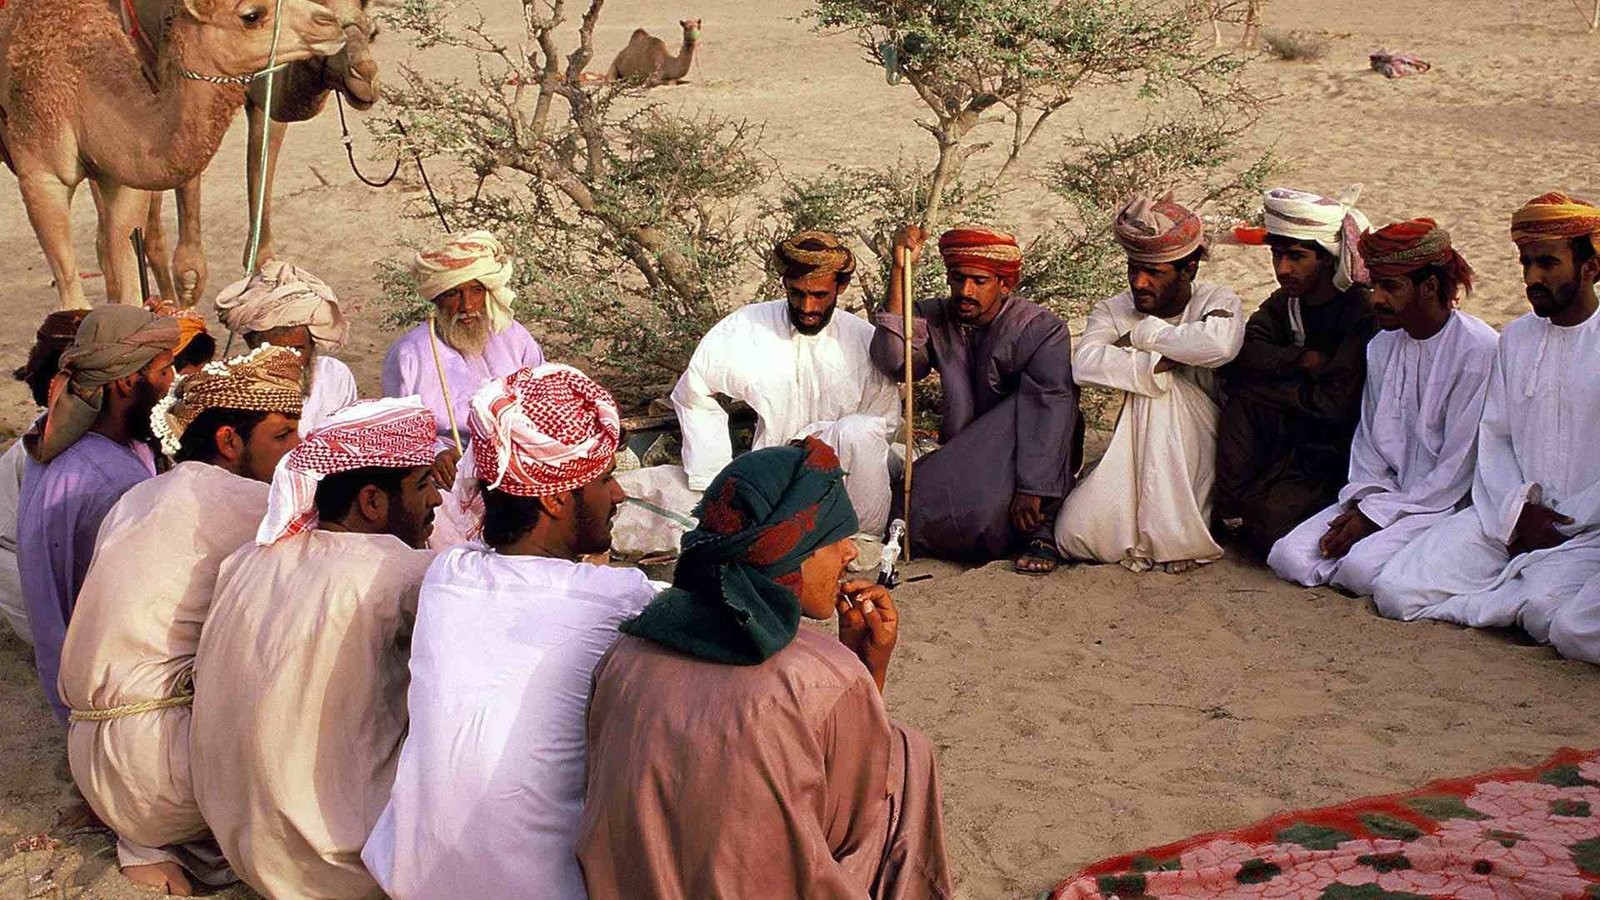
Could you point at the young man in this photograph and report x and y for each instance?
(300, 687)
(91, 449)
(490, 782)
(735, 753)
(1147, 503)
(1531, 538)
(286, 306)
(1412, 460)
(127, 664)
(1009, 407)
(1294, 391)
(803, 370)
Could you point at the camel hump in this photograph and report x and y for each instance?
(639, 33)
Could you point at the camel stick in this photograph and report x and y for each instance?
(444, 386)
(911, 408)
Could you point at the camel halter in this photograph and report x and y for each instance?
(231, 79)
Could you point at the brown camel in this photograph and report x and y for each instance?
(299, 93)
(75, 105)
(645, 60)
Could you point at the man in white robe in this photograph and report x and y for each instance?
(1147, 504)
(804, 370)
(287, 306)
(127, 663)
(300, 678)
(1415, 449)
(1531, 539)
(489, 791)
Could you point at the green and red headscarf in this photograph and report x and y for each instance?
(735, 596)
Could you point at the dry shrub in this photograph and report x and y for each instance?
(1295, 46)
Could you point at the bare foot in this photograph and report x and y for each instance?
(78, 817)
(166, 877)
(1179, 566)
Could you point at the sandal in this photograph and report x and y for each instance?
(1038, 549)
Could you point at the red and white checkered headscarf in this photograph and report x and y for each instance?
(394, 433)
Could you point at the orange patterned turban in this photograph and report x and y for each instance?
(1158, 231)
(1554, 216)
(982, 248)
(812, 253)
(1405, 247)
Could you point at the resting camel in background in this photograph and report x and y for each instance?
(299, 93)
(645, 60)
(75, 105)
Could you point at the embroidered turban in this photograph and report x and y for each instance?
(283, 296)
(1335, 225)
(468, 256)
(1158, 231)
(267, 380)
(1405, 247)
(396, 433)
(812, 253)
(112, 342)
(982, 248)
(1554, 216)
(735, 595)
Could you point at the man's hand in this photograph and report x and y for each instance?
(444, 468)
(1536, 530)
(1217, 314)
(1125, 341)
(1166, 365)
(1027, 512)
(1347, 528)
(911, 238)
(1311, 362)
(869, 625)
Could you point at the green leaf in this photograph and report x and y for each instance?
(1385, 862)
(1566, 776)
(1312, 837)
(1256, 871)
(1366, 892)
(1577, 809)
(1390, 827)
(1444, 806)
(1586, 855)
(1131, 885)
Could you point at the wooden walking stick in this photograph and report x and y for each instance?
(911, 406)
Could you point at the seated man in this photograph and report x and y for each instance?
(803, 370)
(1415, 449)
(287, 306)
(1522, 552)
(300, 687)
(490, 783)
(1009, 405)
(1147, 503)
(1294, 391)
(734, 753)
(127, 665)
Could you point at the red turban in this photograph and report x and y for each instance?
(1158, 231)
(1405, 247)
(982, 248)
(543, 430)
(1554, 216)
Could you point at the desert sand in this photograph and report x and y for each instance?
(1094, 711)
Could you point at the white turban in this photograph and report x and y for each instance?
(1336, 225)
(463, 257)
(283, 296)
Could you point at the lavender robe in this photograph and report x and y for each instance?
(58, 518)
(409, 369)
(1010, 423)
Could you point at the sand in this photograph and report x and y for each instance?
(1094, 711)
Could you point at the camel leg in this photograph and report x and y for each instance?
(155, 250)
(122, 210)
(275, 131)
(49, 204)
(189, 262)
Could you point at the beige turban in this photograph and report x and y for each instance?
(113, 342)
(812, 253)
(283, 296)
(1158, 231)
(1333, 223)
(267, 380)
(463, 257)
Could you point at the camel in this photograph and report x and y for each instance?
(645, 59)
(75, 104)
(299, 93)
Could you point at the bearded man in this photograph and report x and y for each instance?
(300, 687)
(1294, 391)
(287, 306)
(1414, 452)
(469, 339)
(91, 448)
(1010, 429)
(1523, 551)
(127, 665)
(1147, 502)
(804, 370)
(505, 645)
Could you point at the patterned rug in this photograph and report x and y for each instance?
(1526, 833)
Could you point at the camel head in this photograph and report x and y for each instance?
(234, 37)
(354, 71)
(691, 30)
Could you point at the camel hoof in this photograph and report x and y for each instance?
(188, 288)
(167, 877)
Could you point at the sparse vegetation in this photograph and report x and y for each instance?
(1295, 46)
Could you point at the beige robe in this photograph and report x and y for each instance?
(784, 779)
(300, 706)
(132, 639)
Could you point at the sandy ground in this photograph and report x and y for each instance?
(1094, 711)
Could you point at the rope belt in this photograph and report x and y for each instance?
(129, 709)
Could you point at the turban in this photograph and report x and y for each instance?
(393, 433)
(267, 380)
(1554, 216)
(812, 253)
(1405, 247)
(1335, 225)
(1158, 231)
(735, 595)
(463, 257)
(55, 335)
(191, 324)
(113, 342)
(982, 248)
(283, 296)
